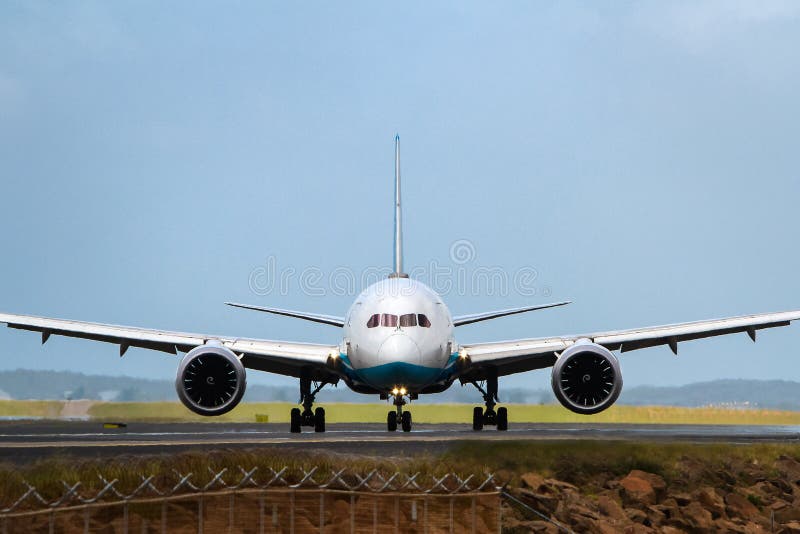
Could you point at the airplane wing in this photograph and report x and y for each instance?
(460, 320)
(264, 355)
(509, 357)
(313, 317)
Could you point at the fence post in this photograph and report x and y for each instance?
(474, 515)
(321, 512)
(261, 513)
(164, 516)
(85, 521)
(230, 511)
(499, 513)
(291, 514)
(125, 518)
(200, 515)
(425, 514)
(352, 513)
(451, 515)
(397, 514)
(52, 522)
(375, 514)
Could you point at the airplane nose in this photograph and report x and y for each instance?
(399, 348)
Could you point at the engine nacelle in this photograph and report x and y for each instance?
(587, 378)
(211, 380)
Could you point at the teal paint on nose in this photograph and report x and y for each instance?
(387, 376)
(399, 348)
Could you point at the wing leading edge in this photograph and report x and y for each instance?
(516, 356)
(272, 356)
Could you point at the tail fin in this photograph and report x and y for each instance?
(398, 213)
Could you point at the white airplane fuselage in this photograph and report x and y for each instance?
(398, 335)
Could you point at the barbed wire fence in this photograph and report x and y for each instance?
(265, 501)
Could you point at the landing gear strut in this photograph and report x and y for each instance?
(307, 417)
(398, 416)
(489, 417)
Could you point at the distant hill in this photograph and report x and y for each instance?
(27, 384)
(777, 394)
(58, 385)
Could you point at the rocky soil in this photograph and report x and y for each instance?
(743, 497)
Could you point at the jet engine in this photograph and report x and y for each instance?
(211, 380)
(586, 378)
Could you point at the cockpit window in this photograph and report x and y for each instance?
(388, 319)
(408, 319)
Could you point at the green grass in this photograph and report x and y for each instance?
(15, 408)
(278, 412)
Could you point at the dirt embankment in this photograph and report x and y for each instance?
(744, 498)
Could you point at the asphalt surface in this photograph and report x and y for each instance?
(22, 441)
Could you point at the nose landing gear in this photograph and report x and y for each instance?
(489, 417)
(398, 416)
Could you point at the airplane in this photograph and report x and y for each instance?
(397, 342)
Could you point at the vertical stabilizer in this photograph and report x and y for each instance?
(398, 214)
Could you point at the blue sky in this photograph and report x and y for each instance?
(640, 157)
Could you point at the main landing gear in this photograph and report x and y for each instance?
(307, 417)
(489, 417)
(398, 416)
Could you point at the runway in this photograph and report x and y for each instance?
(27, 440)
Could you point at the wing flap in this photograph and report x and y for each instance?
(491, 352)
(124, 343)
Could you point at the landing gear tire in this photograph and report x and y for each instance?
(308, 416)
(477, 418)
(296, 421)
(406, 421)
(391, 421)
(319, 420)
(489, 417)
(502, 418)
